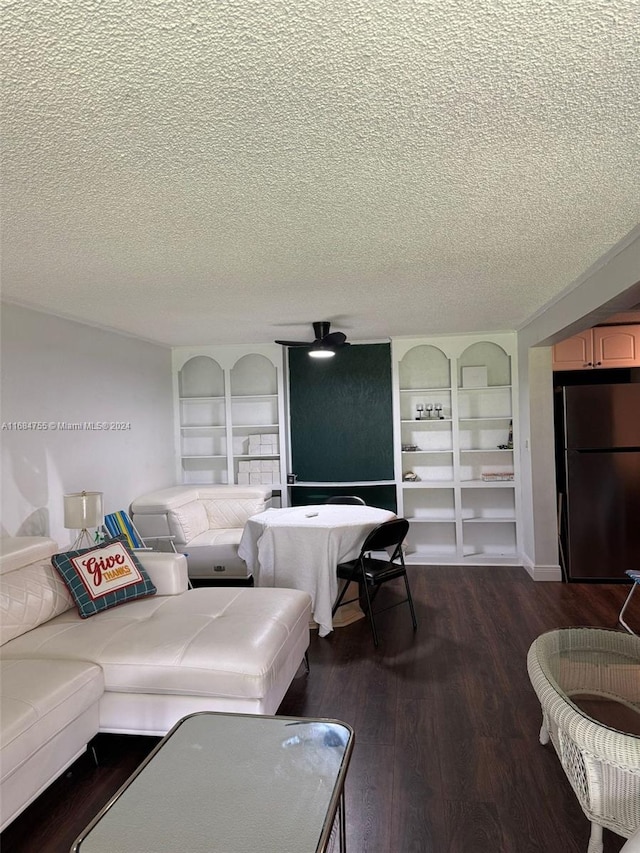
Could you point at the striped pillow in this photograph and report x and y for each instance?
(119, 524)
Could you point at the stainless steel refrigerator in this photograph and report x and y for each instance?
(602, 480)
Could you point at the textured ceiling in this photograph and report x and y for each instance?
(201, 171)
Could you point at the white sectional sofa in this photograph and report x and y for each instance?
(135, 668)
(205, 521)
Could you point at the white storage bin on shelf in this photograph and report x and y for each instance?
(456, 474)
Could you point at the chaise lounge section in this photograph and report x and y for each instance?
(134, 668)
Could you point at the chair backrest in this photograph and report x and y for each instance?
(386, 535)
(345, 499)
(119, 524)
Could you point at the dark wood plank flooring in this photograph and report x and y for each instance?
(447, 758)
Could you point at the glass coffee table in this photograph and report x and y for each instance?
(231, 783)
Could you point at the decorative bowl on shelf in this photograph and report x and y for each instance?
(410, 477)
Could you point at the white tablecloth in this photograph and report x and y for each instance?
(300, 547)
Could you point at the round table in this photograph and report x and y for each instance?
(300, 547)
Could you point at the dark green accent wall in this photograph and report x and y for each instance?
(341, 414)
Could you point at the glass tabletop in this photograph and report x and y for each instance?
(230, 783)
(598, 671)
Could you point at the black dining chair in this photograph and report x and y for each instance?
(346, 499)
(369, 571)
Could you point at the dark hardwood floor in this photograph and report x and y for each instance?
(447, 758)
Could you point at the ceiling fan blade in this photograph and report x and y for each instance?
(293, 343)
(323, 340)
(334, 339)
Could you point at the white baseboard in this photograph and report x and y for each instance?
(542, 573)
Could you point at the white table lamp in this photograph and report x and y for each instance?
(83, 510)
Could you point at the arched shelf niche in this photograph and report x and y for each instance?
(490, 355)
(201, 376)
(254, 375)
(424, 366)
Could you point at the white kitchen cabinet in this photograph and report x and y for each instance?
(230, 415)
(462, 505)
(599, 347)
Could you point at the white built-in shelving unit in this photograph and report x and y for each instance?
(463, 506)
(230, 415)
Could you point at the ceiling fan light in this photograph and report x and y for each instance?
(321, 352)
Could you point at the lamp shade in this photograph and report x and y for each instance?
(83, 510)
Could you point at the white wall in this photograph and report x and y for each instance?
(611, 286)
(538, 482)
(55, 370)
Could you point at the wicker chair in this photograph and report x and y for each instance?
(601, 763)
